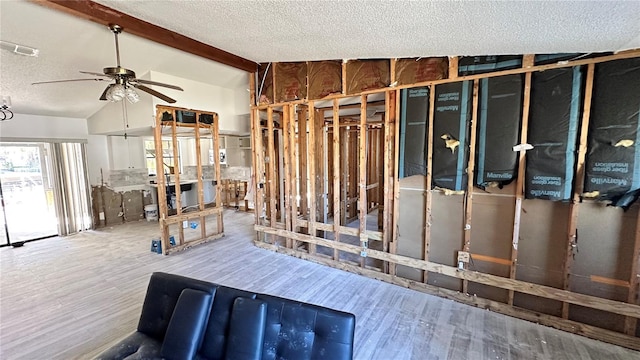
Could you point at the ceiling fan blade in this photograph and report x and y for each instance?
(154, 93)
(149, 82)
(59, 81)
(94, 73)
(103, 97)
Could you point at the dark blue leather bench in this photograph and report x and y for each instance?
(184, 318)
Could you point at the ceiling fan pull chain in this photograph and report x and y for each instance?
(125, 119)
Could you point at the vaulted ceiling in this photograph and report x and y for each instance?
(265, 31)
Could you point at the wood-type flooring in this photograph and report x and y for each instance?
(72, 297)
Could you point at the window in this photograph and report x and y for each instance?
(167, 155)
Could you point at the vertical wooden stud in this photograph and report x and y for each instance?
(362, 179)
(161, 182)
(392, 72)
(427, 186)
(293, 176)
(470, 171)
(203, 232)
(344, 77)
(258, 166)
(286, 213)
(176, 175)
(271, 164)
(216, 152)
(453, 67)
(396, 183)
(388, 172)
(312, 174)
(580, 176)
(303, 158)
(336, 176)
(527, 62)
(321, 197)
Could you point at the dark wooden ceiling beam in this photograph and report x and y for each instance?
(104, 15)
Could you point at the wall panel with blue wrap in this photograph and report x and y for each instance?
(414, 113)
(500, 112)
(554, 117)
(452, 116)
(613, 158)
(470, 65)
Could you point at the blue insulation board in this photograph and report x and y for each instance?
(613, 157)
(452, 118)
(554, 118)
(500, 113)
(469, 65)
(414, 113)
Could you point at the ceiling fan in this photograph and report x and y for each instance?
(124, 80)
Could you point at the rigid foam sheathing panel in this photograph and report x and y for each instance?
(447, 236)
(605, 241)
(541, 251)
(411, 223)
(491, 235)
(605, 247)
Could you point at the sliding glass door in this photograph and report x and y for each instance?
(27, 193)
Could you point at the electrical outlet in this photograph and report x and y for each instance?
(463, 256)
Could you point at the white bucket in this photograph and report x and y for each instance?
(151, 212)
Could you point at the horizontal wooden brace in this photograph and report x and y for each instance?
(544, 319)
(491, 259)
(190, 215)
(344, 230)
(372, 186)
(189, 244)
(616, 307)
(609, 281)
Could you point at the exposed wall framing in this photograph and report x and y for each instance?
(339, 200)
(204, 223)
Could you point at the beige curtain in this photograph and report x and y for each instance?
(71, 187)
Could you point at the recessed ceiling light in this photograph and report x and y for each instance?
(19, 49)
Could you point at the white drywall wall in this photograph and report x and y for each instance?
(97, 159)
(43, 127)
(205, 97)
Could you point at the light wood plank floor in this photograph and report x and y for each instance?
(72, 297)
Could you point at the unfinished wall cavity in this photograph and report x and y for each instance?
(469, 188)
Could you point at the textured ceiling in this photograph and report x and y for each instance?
(301, 30)
(68, 44)
(290, 31)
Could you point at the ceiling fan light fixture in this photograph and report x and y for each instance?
(116, 93)
(132, 95)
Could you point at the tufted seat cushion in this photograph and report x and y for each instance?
(184, 318)
(134, 346)
(301, 331)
